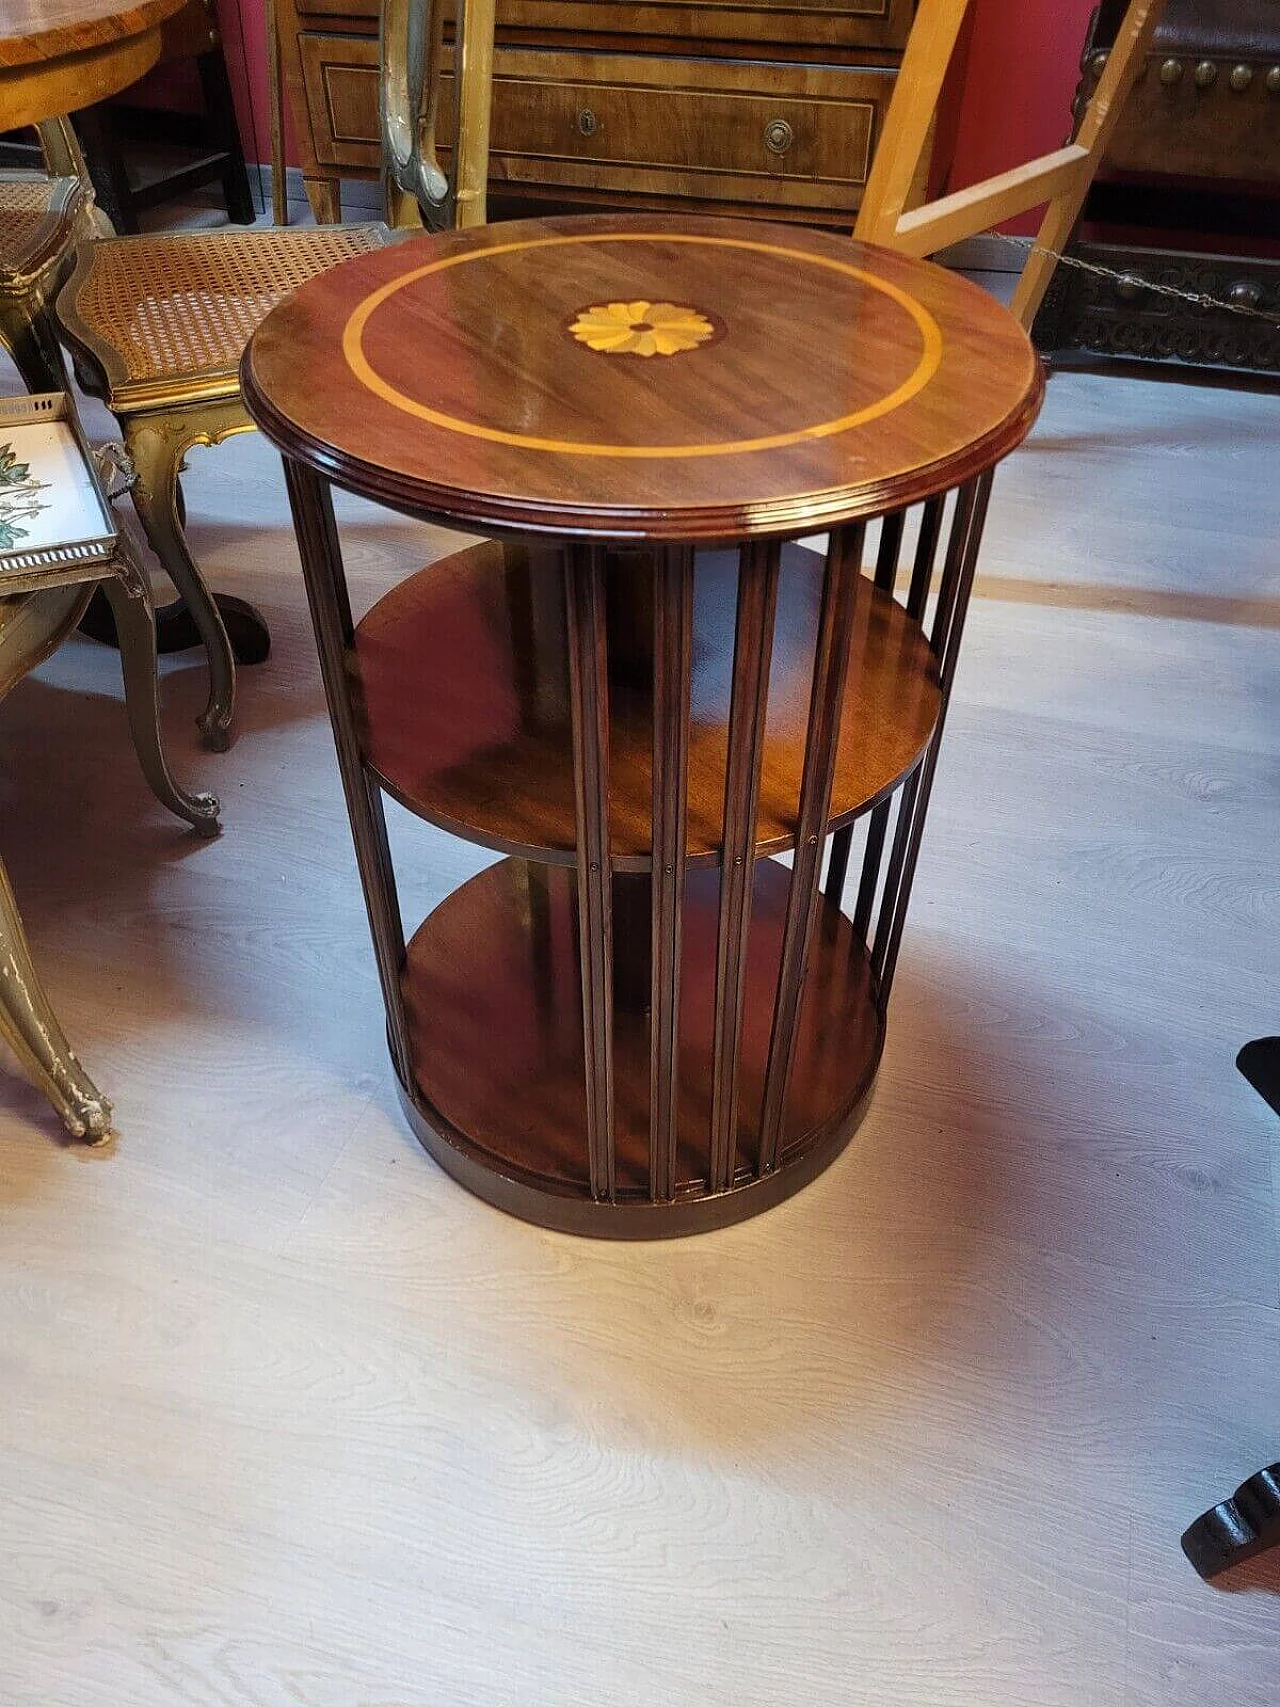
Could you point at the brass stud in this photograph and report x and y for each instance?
(1171, 71)
(1273, 80)
(1241, 77)
(1206, 74)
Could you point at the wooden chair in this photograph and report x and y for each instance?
(1060, 179)
(212, 138)
(160, 322)
(58, 542)
(43, 214)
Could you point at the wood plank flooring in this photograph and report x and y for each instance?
(288, 1420)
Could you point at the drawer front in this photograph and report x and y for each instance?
(631, 124)
(798, 23)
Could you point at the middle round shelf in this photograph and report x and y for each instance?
(462, 697)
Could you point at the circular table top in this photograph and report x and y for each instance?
(32, 31)
(642, 376)
(57, 56)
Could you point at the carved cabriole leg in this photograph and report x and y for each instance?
(130, 600)
(157, 443)
(29, 1028)
(31, 627)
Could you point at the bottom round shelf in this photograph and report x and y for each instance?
(494, 1009)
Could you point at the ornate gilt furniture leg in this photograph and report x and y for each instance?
(157, 444)
(31, 1030)
(130, 599)
(58, 541)
(32, 626)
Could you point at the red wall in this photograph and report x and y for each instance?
(1015, 101)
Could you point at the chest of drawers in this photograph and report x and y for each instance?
(772, 109)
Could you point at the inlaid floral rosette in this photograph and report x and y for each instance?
(642, 328)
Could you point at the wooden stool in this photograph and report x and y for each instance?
(637, 1025)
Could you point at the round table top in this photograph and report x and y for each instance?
(34, 31)
(642, 376)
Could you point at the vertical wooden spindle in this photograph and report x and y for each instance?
(325, 580)
(748, 707)
(672, 659)
(830, 670)
(926, 551)
(890, 549)
(589, 704)
(971, 512)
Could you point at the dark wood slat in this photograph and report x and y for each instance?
(831, 663)
(926, 551)
(893, 911)
(673, 654)
(890, 549)
(589, 699)
(752, 653)
(953, 567)
(325, 581)
(871, 858)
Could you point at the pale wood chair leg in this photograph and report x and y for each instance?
(1058, 181)
(156, 448)
(130, 601)
(325, 196)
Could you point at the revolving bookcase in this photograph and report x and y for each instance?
(641, 685)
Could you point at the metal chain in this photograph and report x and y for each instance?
(1198, 298)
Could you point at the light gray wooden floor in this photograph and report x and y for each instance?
(286, 1418)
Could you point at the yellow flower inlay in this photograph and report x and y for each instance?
(641, 328)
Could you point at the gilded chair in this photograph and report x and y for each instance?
(58, 542)
(42, 217)
(160, 322)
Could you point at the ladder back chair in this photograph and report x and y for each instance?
(1059, 181)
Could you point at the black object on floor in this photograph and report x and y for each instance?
(1259, 1061)
(176, 631)
(1240, 1528)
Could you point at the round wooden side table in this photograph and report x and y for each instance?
(638, 1024)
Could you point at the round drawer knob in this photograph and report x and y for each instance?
(1206, 74)
(1171, 71)
(778, 136)
(1241, 77)
(1245, 293)
(587, 122)
(1273, 80)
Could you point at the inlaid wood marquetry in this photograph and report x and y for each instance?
(840, 378)
(641, 328)
(638, 1024)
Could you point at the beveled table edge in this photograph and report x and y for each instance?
(783, 518)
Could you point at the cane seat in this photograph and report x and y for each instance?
(165, 318)
(38, 219)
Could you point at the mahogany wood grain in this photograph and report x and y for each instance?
(462, 684)
(442, 376)
(496, 1032)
